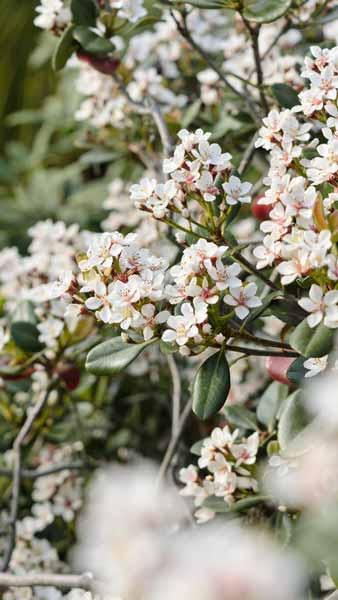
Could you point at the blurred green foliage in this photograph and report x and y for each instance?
(22, 85)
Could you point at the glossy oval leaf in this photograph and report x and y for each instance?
(270, 404)
(312, 341)
(265, 11)
(285, 95)
(287, 310)
(293, 421)
(211, 386)
(91, 42)
(64, 49)
(26, 336)
(239, 416)
(113, 356)
(296, 371)
(84, 12)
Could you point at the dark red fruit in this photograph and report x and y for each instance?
(70, 375)
(107, 66)
(260, 211)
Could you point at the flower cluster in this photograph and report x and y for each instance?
(300, 233)
(224, 470)
(53, 15)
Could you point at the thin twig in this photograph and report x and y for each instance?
(149, 107)
(249, 267)
(256, 352)
(36, 473)
(173, 442)
(248, 155)
(254, 35)
(161, 125)
(176, 394)
(184, 31)
(18, 443)
(84, 581)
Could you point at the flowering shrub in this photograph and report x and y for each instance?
(187, 320)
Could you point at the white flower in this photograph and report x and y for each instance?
(143, 190)
(52, 13)
(246, 452)
(207, 186)
(236, 191)
(50, 330)
(132, 10)
(149, 320)
(321, 306)
(315, 365)
(184, 327)
(242, 299)
(224, 275)
(268, 252)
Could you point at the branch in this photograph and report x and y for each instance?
(36, 473)
(18, 443)
(254, 34)
(256, 352)
(173, 442)
(252, 269)
(149, 107)
(185, 33)
(84, 581)
(176, 395)
(248, 155)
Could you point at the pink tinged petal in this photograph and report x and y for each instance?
(93, 303)
(105, 314)
(241, 312)
(169, 335)
(315, 318)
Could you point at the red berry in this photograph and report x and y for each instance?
(70, 375)
(107, 66)
(260, 211)
(277, 367)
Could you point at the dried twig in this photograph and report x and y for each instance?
(173, 442)
(36, 473)
(84, 581)
(17, 446)
(184, 31)
(176, 393)
(152, 108)
(254, 35)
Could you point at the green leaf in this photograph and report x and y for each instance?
(113, 356)
(265, 11)
(293, 421)
(270, 403)
(287, 311)
(257, 312)
(145, 24)
(211, 386)
(218, 505)
(296, 371)
(330, 16)
(191, 113)
(196, 448)
(241, 417)
(312, 341)
(85, 12)
(91, 42)
(285, 95)
(209, 3)
(64, 49)
(25, 311)
(26, 336)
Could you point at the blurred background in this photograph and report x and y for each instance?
(40, 174)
